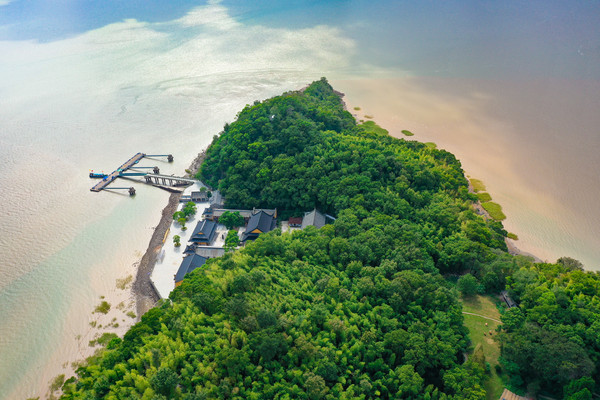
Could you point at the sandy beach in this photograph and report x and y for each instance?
(118, 315)
(130, 296)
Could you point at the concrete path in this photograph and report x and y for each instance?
(170, 257)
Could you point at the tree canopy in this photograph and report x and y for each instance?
(231, 219)
(358, 309)
(232, 240)
(467, 285)
(553, 338)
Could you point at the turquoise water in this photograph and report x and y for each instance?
(85, 85)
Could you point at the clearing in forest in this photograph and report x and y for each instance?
(485, 306)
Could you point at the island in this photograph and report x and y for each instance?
(376, 296)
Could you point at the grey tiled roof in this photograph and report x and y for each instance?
(261, 221)
(204, 231)
(189, 264)
(314, 218)
(190, 249)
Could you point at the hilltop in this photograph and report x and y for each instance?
(357, 309)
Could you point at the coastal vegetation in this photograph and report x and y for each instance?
(56, 384)
(494, 209)
(372, 127)
(364, 307)
(407, 133)
(103, 339)
(478, 185)
(103, 307)
(484, 196)
(124, 283)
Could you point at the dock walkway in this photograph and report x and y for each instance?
(116, 173)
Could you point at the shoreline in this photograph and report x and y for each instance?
(134, 294)
(511, 246)
(469, 118)
(361, 116)
(515, 251)
(146, 295)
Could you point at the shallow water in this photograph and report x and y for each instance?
(63, 246)
(91, 102)
(535, 161)
(513, 95)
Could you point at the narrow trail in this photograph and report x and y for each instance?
(482, 316)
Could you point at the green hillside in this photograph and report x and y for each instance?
(356, 310)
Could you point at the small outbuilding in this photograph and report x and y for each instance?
(295, 222)
(509, 302)
(199, 197)
(314, 218)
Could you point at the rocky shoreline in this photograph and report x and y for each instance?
(143, 289)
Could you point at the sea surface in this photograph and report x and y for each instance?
(512, 88)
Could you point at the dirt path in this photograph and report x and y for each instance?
(482, 316)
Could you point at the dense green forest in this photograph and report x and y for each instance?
(552, 340)
(361, 308)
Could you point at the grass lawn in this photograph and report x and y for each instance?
(478, 185)
(494, 209)
(485, 305)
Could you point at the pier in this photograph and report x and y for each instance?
(115, 174)
(130, 169)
